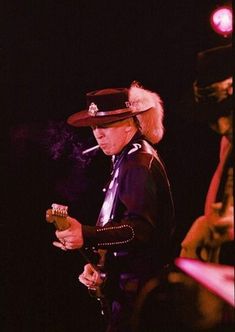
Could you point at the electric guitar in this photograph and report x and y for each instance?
(58, 215)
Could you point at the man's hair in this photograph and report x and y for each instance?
(150, 121)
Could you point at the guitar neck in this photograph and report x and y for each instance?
(228, 193)
(227, 202)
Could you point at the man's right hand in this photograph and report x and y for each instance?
(90, 277)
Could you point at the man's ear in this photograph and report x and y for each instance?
(130, 125)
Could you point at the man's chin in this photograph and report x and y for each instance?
(107, 152)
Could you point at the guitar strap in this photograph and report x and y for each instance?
(213, 191)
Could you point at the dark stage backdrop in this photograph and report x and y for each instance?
(55, 52)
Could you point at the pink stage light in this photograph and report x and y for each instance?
(217, 278)
(222, 21)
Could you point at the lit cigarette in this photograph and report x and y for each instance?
(96, 147)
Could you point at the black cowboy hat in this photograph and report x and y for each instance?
(104, 106)
(209, 98)
(214, 65)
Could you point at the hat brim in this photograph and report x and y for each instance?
(195, 112)
(84, 119)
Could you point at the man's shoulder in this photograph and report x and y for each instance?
(140, 153)
(140, 146)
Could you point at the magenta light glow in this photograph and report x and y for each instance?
(217, 278)
(222, 21)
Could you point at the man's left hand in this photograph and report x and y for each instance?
(71, 238)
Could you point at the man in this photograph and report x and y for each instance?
(211, 233)
(133, 230)
(176, 300)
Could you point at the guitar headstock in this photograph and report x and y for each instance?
(58, 216)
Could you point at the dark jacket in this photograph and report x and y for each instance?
(136, 220)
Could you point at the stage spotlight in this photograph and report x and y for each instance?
(222, 21)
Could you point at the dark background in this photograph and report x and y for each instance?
(54, 52)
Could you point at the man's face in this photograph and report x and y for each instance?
(223, 125)
(114, 136)
(222, 90)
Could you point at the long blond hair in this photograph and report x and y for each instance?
(151, 121)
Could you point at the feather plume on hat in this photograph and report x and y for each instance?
(151, 121)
